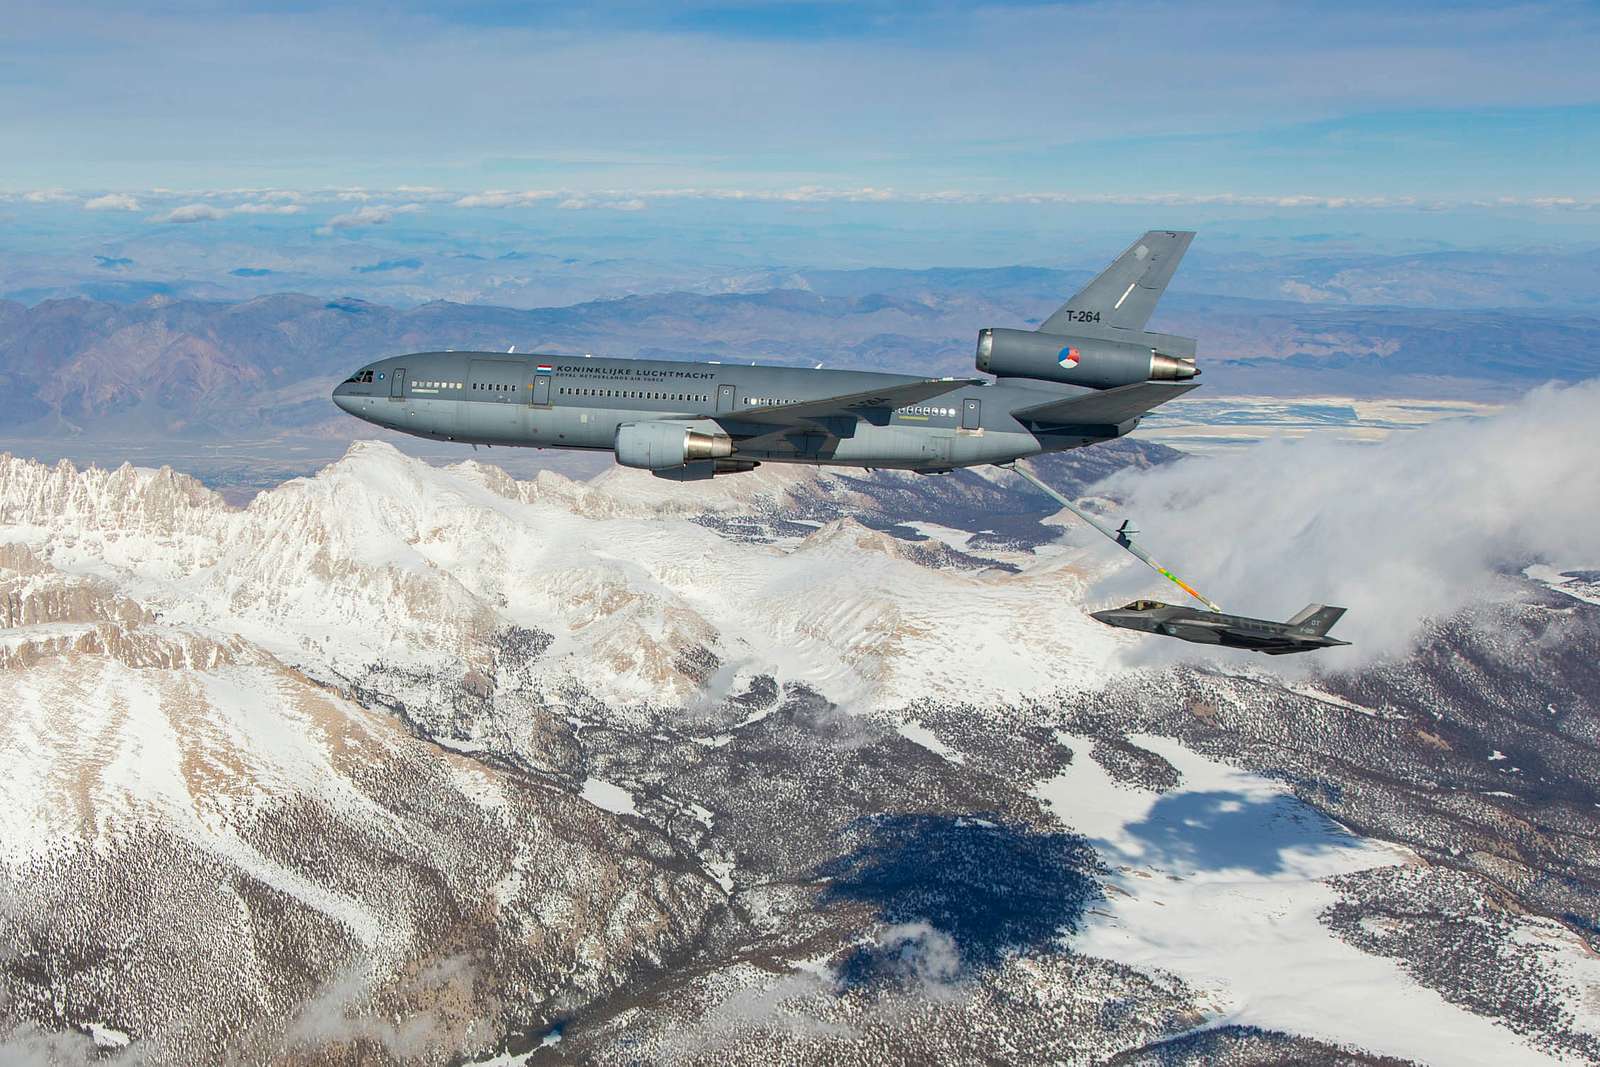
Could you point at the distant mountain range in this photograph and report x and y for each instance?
(209, 370)
(520, 267)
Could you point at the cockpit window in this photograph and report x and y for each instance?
(359, 377)
(1143, 605)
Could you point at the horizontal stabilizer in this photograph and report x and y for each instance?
(1107, 408)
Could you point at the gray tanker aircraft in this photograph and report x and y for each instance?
(1087, 374)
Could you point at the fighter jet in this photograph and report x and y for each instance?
(1308, 630)
(1087, 374)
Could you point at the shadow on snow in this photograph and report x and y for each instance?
(1221, 830)
(986, 886)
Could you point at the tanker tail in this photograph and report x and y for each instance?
(1098, 338)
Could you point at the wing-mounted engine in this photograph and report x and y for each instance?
(1096, 362)
(701, 469)
(669, 446)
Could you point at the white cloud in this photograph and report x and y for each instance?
(431, 193)
(924, 954)
(112, 202)
(367, 215)
(608, 203)
(498, 198)
(785, 1005)
(923, 961)
(258, 208)
(191, 213)
(1398, 532)
(28, 1045)
(341, 1012)
(47, 196)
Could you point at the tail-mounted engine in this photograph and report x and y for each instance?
(1098, 363)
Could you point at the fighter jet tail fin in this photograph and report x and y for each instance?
(1124, 296)
(1315, 619)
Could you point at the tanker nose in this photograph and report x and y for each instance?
(342, 398)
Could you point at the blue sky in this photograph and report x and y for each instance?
(1244, 99)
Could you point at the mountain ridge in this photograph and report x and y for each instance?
(210, 370)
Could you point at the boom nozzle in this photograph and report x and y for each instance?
(1122, 535)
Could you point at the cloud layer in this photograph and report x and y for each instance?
(1398, 532)
(976, 95)
(381, 205)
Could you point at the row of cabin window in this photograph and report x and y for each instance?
(754, 401)
(917, 409)
(491, 387)
(632, 394)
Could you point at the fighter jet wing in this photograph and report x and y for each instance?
(1105, 410)
(812, 416)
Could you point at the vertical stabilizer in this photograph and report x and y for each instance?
(1315, 619)
(1124, 296)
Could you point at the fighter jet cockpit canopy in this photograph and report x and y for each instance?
(1144, 605)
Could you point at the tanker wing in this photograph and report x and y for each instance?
(831, 415)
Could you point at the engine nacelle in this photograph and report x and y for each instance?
(1090, 361)
(702, 469)
(658, 446)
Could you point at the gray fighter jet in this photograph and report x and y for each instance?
(1306, 631)
(1087, 374)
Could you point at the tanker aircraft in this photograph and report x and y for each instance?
(1087, 374)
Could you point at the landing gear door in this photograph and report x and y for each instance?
(970, 414)
(397, 384)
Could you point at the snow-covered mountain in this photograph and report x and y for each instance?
(383, 558)
(410, 763)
